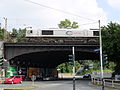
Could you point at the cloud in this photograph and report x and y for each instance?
(23, 13)
(114, 3)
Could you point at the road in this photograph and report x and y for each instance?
(56, 85)
(68, 85)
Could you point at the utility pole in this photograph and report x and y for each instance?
(73, 52)
(5, 28)
(101, 60)
(5, 39)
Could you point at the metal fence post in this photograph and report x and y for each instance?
(112, 83)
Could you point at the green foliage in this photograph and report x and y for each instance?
(111, 43)
(67, 24)
(17, 35)
(14, 33)
(1, 34)
(96, 66)
(75, 25)
(21, 34)
(67, 67)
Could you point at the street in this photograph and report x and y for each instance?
(55, 85)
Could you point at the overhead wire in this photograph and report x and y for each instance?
(88, 23)
(66, 12)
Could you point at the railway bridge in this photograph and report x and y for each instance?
(50, 52)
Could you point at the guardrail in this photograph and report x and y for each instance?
(2, 79)
(114, 83)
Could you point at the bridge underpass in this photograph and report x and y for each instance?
(50, 58)
(47, 55)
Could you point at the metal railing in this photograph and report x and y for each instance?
(114, 83)
(2, 79)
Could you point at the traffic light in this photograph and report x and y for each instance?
(1, 60)
(105, 59)
(71, 61)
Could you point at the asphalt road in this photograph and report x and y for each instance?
(68, 85)
(56, 85)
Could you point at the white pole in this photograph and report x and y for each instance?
(5, 27)
(101, 60)
(73, 52)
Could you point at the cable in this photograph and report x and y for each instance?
(59, 10)
(87, 23)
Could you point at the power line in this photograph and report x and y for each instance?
(88, 23)
(59, 10)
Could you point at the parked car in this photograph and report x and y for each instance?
(87, 75)
(117, 77)
(14, 79)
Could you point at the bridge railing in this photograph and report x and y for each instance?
(2, 79)
(114, 83)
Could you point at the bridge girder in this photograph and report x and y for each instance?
(36, 55)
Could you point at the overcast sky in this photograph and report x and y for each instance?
(48, 13)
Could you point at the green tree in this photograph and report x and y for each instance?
(67, 67)
(14, 33)
(1, 34)
(21, 35)
(111, 43)
(17, 35)
(75, 25)
(67, 24)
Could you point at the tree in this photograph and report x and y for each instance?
(74, 25)
(2, 34)
(17, 35)
(14, 33)
(111, 43)
(21, 34)
(67, 67)
(67, 24)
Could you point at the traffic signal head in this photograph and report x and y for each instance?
(71, 61)
(71, 57)
(105, 59)
(1, 60)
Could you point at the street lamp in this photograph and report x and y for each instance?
(72, 62)
(73, 53)
(5, 28)
(101, 59)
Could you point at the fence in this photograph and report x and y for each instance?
(114, 83)
(2, 79)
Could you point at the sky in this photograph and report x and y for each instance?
(49, 13)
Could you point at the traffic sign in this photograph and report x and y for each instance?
(33, 78)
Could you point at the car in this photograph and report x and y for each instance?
(14, 79)
(87, 75)
(49, 78)
(117, 77)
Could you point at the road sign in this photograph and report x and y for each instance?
(33, 78)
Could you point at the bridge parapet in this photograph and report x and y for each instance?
(65, 41)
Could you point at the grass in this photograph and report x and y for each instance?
(22, 88)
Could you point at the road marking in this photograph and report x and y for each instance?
(50, 85)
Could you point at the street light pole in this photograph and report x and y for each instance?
(5, 28)
(73, 52)
(101, 60)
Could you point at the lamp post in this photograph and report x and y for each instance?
(101, 59)
(73, 52)
(5, 28)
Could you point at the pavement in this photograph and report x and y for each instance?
(64, 84)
